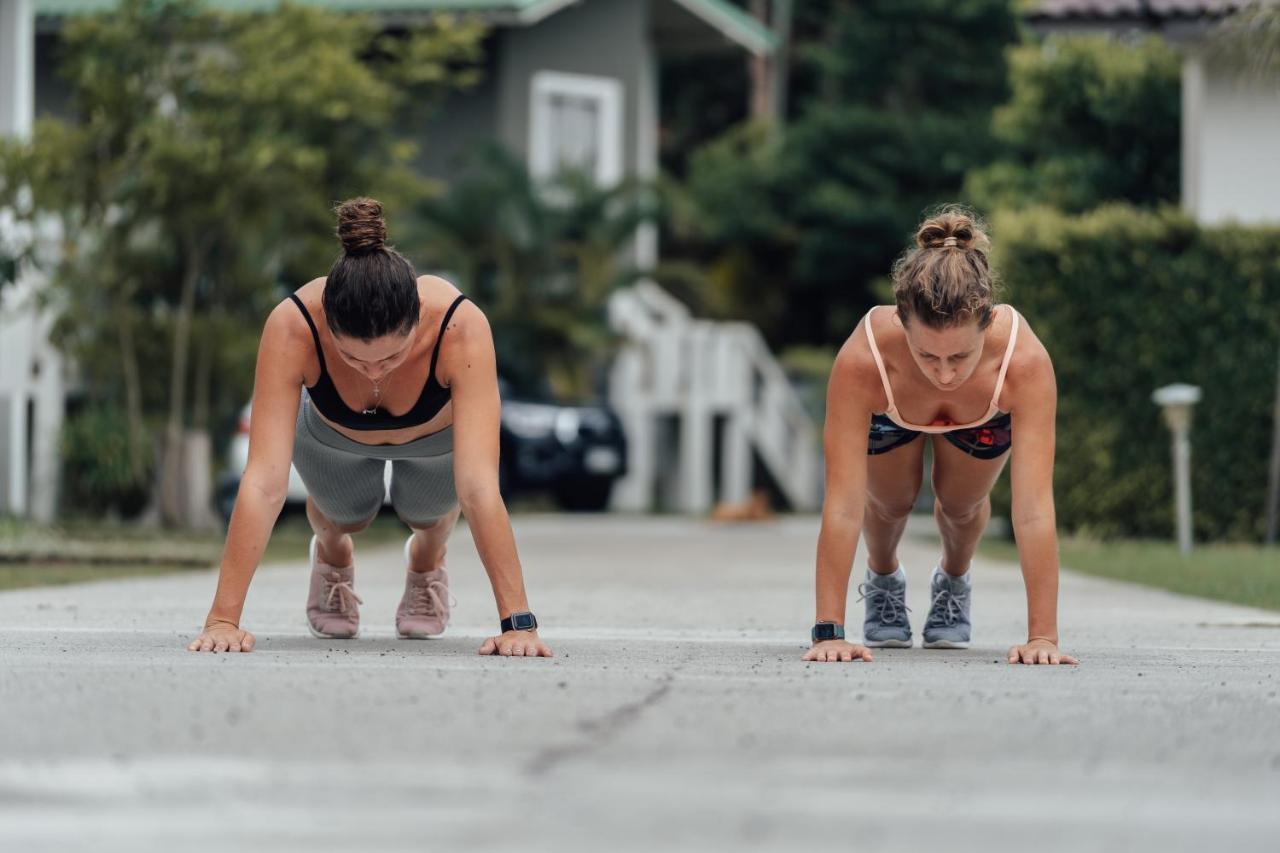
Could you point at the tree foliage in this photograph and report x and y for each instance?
(206, 153)
(892, 102)
(1126, 301)
(542, 258)
(1090, 120)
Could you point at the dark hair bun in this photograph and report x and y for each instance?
(951, 228)
(361, 227)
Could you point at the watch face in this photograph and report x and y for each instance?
(826, 631)
(523, 622)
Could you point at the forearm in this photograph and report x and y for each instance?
(1038, 553)
(251, 522)
(491, 528)
(837, 543)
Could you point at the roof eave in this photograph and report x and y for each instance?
(734, 24)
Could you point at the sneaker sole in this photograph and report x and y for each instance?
(887, 644)
(417, 635)
(945, 644)
(321, 636)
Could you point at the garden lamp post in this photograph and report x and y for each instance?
(1176, 401)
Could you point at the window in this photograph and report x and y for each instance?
(576, 123)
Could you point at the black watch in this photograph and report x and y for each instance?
(522, 621)
(827, 631)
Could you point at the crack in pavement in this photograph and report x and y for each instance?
(599, 730)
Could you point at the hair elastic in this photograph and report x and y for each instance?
(949, 242)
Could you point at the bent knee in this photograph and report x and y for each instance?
(891, 509)
(961, 512)
(352, 526)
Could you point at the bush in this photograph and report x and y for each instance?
(98, 474)
(1091, 119)
(1127, 301)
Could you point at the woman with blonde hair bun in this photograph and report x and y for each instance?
(947, 362)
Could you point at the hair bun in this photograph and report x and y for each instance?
(951, 229)
(361, 227)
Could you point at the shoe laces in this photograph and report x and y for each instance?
(890, 604)
(948, 606)
(428, 599)
(338, 594)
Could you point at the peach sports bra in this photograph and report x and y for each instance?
(892, 410)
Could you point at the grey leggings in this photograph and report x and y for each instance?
(346, 478)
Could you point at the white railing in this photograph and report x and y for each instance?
(706, 376)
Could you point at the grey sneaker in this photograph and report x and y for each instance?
(885, 625)
(948, 625)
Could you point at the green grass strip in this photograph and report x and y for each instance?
(1241, 574)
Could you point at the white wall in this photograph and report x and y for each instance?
(17, 67)
(1230, 140)
(31, 371)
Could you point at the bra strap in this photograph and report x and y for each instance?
(444, 324)
(1008, 356)
(315, 335)
(875, 353)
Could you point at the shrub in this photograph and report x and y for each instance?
(98, 474)
(1127, 301)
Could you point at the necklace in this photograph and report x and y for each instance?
(377, 398)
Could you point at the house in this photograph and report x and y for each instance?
(1230, 110)
(567, 83)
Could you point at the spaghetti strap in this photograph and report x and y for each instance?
(315, 335)
(444, 324)
(875, 353)
(1008, 356)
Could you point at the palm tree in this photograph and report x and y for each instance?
(541, 258)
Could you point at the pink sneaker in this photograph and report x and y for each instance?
(424, 609)
(332, 611)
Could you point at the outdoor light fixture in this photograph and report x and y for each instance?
(1176, 401)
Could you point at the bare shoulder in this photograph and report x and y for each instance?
(468, 323)
(286, 336)
(855, 383)
(285, 324)
(855, 365)
(1030, 366)
(434, 284)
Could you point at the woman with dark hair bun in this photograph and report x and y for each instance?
(948, 361)
(374, 364)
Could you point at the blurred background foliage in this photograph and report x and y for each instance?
(1127, 300)
(196, 191)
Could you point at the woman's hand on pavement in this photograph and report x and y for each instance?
(516, 644)
(1038, 650)
(222, 637)
(834, 651)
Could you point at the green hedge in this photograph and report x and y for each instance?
(1127, 301)
(97, 475)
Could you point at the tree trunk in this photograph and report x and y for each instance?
(782, 16)
(203, 376)
(760, 106)
(171, 481)
(132, 393)
(1273, 481)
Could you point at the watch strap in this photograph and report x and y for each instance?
(521, 621)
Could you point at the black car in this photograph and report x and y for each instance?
(573, 452)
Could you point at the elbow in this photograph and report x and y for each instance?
(843, 510)
(271, 492)
(475, 496)
(1033, 518)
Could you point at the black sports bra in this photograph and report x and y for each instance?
(325, 397)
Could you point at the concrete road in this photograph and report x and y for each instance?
(676, 716)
